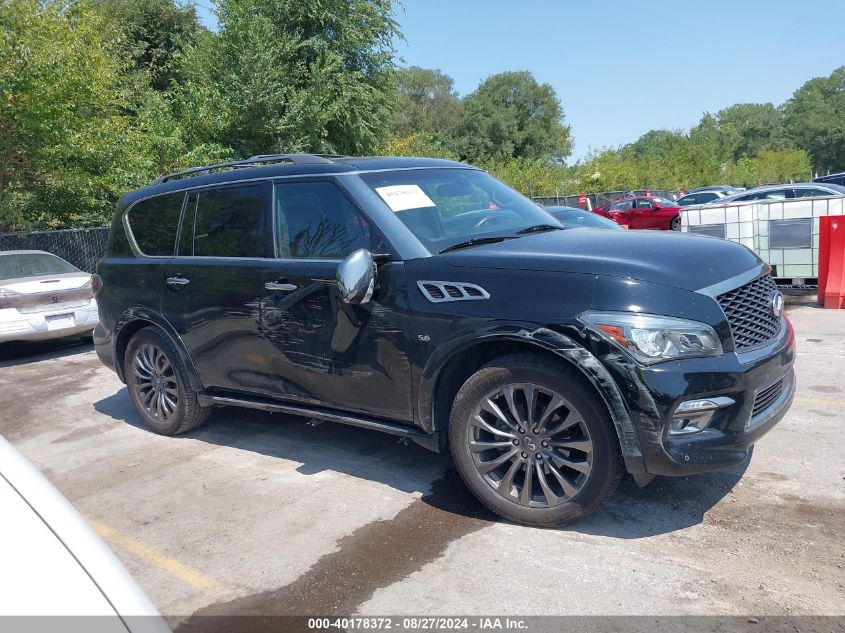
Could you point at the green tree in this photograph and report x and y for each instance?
(286, 75)
(426, 102)
(511, 115)
(154, 33)
(814, 119)
(749, 128)
(66, 146)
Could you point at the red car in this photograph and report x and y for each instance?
(643, 212)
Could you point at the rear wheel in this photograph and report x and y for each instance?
(158, 384)
(533, 442)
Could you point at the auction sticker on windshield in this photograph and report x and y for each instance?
(404, 197)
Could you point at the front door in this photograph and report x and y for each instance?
(326, 352)
(213, 286)
(645, 216)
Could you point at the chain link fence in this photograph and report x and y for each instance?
(598, 199)
(81, 247)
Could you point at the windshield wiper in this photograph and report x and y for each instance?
(475, 241)
(539, 228)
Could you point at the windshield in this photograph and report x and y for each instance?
(445, 207)
(23, 265)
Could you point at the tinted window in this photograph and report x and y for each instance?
(621, 206)
(33, 265)
(315, 220)
(154, 221)
(643, 204)
(791, 233)
(708, 196)
(226, 223)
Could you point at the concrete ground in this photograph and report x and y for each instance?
(259, 513)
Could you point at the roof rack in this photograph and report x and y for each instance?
(296, 159)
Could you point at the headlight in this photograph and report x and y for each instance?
(650, 338)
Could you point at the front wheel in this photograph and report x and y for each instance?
(675, 224)
(533, 442)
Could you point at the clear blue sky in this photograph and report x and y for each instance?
(621, 68)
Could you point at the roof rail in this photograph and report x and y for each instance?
(296, 159)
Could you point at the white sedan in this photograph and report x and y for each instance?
(43, 296)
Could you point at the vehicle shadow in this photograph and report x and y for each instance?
(666, 505)
(24, 352)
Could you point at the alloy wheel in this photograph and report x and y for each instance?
(154, 383)
(530, 445)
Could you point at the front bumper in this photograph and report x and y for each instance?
(653, 394)
(40, 326)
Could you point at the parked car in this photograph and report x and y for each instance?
(426, 299)
(54, 564)
(574, 218)
(700, 197)
(832, 179)
(43, 296)
(726, 189)
(642, 212)
(785, 192)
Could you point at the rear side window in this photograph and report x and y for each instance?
(153, 223)
(224, 222)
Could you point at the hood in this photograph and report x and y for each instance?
(675, 259)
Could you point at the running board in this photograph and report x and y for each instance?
(393, 428)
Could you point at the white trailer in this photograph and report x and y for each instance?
(784, 233)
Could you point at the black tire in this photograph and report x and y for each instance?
(593, 428)
(675, 224)
(167, 418)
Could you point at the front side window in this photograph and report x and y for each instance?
(226, 222)
(446, 207)
(314, 220)
(153, 223)
(643, 203)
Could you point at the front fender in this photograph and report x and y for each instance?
(143, 313)
(558, 343)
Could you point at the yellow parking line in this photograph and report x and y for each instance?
(154, 556)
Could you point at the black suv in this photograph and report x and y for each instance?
(426, 299)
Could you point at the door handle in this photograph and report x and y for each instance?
(177, 281)
(277, 285)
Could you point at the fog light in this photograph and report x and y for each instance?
(693, 416)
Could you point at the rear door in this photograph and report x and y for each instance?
(212, 288)
(324, 351)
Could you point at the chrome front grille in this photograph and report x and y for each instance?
(750, 314)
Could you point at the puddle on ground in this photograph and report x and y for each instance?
(374, 556)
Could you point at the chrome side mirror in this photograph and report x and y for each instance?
(356, 277)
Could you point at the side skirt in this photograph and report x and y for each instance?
(431, 441)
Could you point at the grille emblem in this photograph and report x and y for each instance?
(777, 304)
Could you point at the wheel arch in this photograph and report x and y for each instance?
(136, 319)
(449, 370)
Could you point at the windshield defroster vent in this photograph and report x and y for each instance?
(442, 291)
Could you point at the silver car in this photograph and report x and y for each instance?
(43, 296)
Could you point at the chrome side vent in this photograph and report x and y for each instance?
(442, 291)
